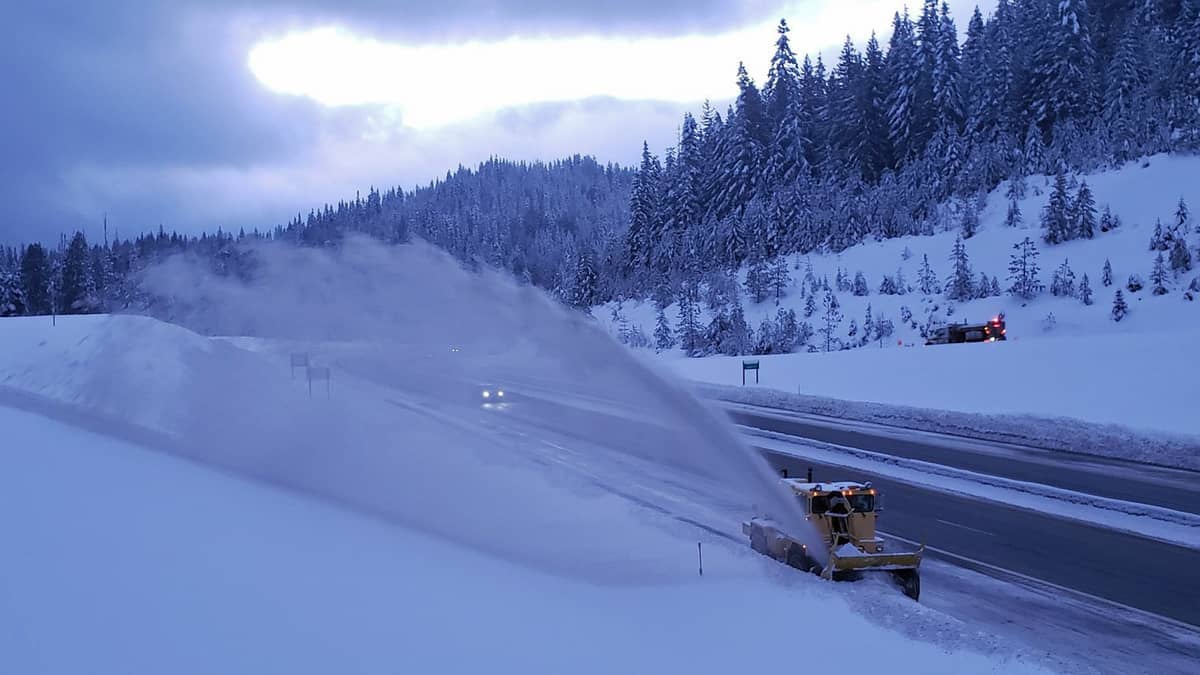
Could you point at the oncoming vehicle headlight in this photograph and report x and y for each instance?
(500, 393)
(487, 394)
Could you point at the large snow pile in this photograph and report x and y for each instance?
(123, 560)
(1064, 358)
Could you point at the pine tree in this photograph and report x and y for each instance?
(77, 290)
(1085, 290)
(983, 286)
(788, 152)
(1181, 258)
(907, 112)
(740, 168)
(584, 289)
(1023, 271)
(860, 285)
(831, 319)
(970, 218)
(35, 280)
(1119, 308)
(1013, 217)
(1158, 276)
(1056, 219)
(1063, 282)
(810, 305)
(960, 285)
(888, 286)
(1182, 216)
(902, 283)
(664, 338)
(757, 279)
(1157, 241)
(947, 99)
(927, 281)
(1063, 69)
(995, 288)
(1109, 221)
(12, 296)
(868, 327)
(1083, 213)
(780, 277)
(1106, 276)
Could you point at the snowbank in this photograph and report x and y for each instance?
(134, 562)
(1100, 379)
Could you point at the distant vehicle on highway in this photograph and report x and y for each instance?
(492, 394)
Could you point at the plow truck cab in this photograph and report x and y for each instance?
(843, 515)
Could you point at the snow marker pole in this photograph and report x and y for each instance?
(700, 553)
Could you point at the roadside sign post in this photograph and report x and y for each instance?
(749, 365)
(318, 374)
(299, 360)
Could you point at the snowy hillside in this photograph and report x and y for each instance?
(545, 535)
(1084, 364)
(212, 574)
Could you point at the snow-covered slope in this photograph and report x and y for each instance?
(121, 560)
(1139, 372)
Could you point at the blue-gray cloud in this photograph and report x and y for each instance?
(127, 87)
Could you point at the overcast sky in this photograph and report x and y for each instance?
(199, 114)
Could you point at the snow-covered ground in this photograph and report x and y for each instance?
(122, 560)
(541, 537)
(1141, 372)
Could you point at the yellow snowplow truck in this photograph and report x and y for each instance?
(843, 514)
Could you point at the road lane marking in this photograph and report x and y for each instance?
(965, 527)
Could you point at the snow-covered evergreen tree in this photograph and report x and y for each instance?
(1119, 308)
(780, 277)
(1106, 276)
(970, 218)
(35, 279)
(860, 284)
(1063, 282)
(1109, 221)
(1063, 72)
(1083, 213)
(1158, 276)
(664, 337)
(831, 319)
(927, 280)
(1158, 241)
(887, 286)
(1085, 290)
(983, 286)
(960, 286)
(1056, 217)
(810, 305)
(1181, 258)
(1023, 270)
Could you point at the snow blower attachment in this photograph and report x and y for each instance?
(844, 516)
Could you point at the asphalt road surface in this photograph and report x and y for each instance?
(1116, 479)
(1146, 574)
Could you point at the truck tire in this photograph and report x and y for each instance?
(910, 582)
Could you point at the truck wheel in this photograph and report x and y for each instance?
(910, 582)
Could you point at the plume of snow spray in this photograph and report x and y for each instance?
(411, 320)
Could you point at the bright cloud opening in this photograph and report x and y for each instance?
(440, 84)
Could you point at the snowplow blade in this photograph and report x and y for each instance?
(850, 558)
